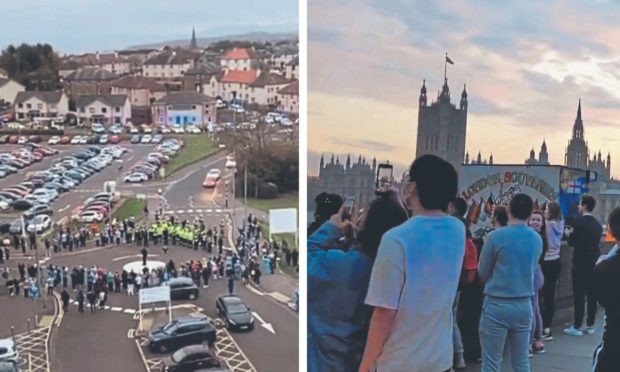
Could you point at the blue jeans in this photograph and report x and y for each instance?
(505, 322)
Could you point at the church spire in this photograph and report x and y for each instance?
(194, 43)
(578, 127)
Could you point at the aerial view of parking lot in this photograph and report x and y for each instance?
(140, 175)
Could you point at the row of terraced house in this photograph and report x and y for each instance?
(165, 86)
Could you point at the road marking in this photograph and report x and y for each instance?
(198, 210)
(181, 211)
(190, 211)
(132, 256)
(254, 290)
(129, 311)
(264, 324)
(218, 211)
(64, 208)
(115, 308)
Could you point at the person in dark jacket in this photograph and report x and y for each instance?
(326, 206)
(65, 300)
(585, 238)
(606, 291)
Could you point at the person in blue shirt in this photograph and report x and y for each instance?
(508, 262)
(338, 276)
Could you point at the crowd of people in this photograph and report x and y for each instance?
(404, 286)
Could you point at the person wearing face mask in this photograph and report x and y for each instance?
(537, 222)
(415, 277)
(551, 265)
(338, 279)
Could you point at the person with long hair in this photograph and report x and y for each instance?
(338, 319)
(551, 265)
(537, 222)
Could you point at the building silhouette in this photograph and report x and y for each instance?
(193, 44)
(442, 127)
(351, 178)
(543, 156)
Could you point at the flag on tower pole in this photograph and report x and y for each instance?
(445, 66)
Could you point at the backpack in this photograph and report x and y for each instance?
(470, 263)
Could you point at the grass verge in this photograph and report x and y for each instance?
(132, 207)
(197, 147)
(288, 200)
(292, 243)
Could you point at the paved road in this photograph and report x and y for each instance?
(266, 351)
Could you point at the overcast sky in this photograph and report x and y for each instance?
(91, 25)
(526, 64)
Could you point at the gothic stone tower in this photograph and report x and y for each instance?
(577, 150)
(442, 126)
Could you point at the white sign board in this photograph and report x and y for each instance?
(283, 221)
(155, 294)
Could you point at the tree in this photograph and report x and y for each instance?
(34, 66)
(266, 159)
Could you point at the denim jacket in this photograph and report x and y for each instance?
(338, 319)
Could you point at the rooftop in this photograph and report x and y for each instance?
(239, 53)
(138, 82)
(270, 79)
(179, 98)
(292, 88)
(91, 73)
(109, 99)
(47, 97)
(237, 76)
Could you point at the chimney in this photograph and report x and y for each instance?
(97, 56)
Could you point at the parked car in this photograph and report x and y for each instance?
(54, 140)
(135, 178)
(76, 140)
(11, 367)
(115, 139)
(8, 350)
(65, 140)
(182, 288)
(157, 138)
(98, 128)
(104, 139)
(182, 332)
(22, 204)
(39, 223)
(13, 139)
(177, 129)
(22, 139)
(147, 138)
(135, 138)
(90, 216)
(38, 209)
(116, 129)
(190, 358)
(235, 313)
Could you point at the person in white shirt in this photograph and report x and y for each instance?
(415, 277)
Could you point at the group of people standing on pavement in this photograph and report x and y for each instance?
(385, 287)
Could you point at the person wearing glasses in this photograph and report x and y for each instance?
(415, 276)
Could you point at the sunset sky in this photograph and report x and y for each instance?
(526, 64)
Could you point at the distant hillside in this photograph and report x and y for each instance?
(250, 36)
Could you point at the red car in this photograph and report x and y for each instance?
(97, 208)
(13, 139)
(115, 139)
(65, 140)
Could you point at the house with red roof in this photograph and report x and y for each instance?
(248, 86)
(238, 59)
